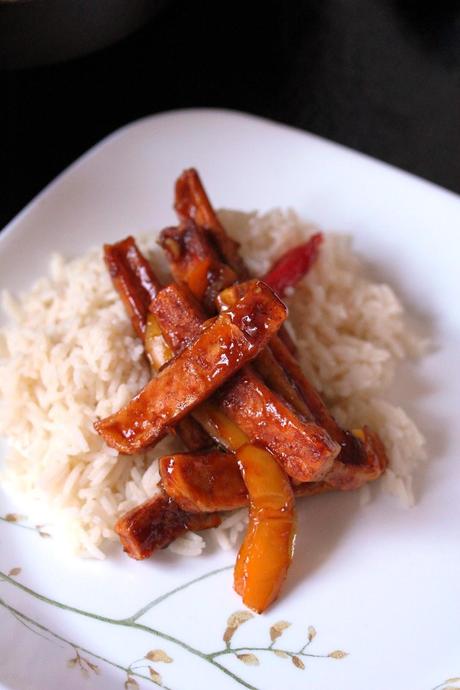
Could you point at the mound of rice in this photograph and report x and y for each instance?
(69, 354)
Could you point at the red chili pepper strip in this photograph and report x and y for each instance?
(293, 265)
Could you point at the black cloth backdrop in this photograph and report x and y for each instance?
(380, 76)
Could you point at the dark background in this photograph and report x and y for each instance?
(381, 76)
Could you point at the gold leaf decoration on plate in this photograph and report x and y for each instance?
(452, 680)
(338, 654)
(249, 659)
(12, 517)
(298, 662)
(154, 675)
(93, 667)
(159, 655)
(238, 618)
(233, 623)
(277, 629)
(14, 572)
(279, 652)
(84, 665)
(228, 634)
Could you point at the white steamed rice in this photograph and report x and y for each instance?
(69, 354)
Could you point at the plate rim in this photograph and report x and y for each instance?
(228, 112)
(120, 132)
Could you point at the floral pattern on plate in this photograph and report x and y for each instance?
(146, 666)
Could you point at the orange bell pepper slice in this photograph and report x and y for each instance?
(267, 549)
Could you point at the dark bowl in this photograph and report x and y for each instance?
(39, 32)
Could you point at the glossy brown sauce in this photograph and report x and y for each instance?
(293, 423)
(205, 482)
(194, 261)
(156, 523)
(133, 278)
(216, 354)
(192, 203)
(303, 448)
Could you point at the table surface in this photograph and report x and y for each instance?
(380, 76)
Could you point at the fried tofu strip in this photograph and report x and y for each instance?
(252, 406)
(211, 482)
(134, 280)
(303, 448)
(233, 339)
(202, 483)
(197, 263)
(313, 401)
(178, 315)
(277, 378)
(192, 203)
(373, 461)
(156, 523)
(362, 456)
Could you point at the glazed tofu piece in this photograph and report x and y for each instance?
(192, 203)
(179, 316)
(233, 339)
(204, 482)
(304, 449)
(133, 278)
(194, 260)
(156, 523)
(135, 281)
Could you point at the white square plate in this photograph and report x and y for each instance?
(379, 582)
